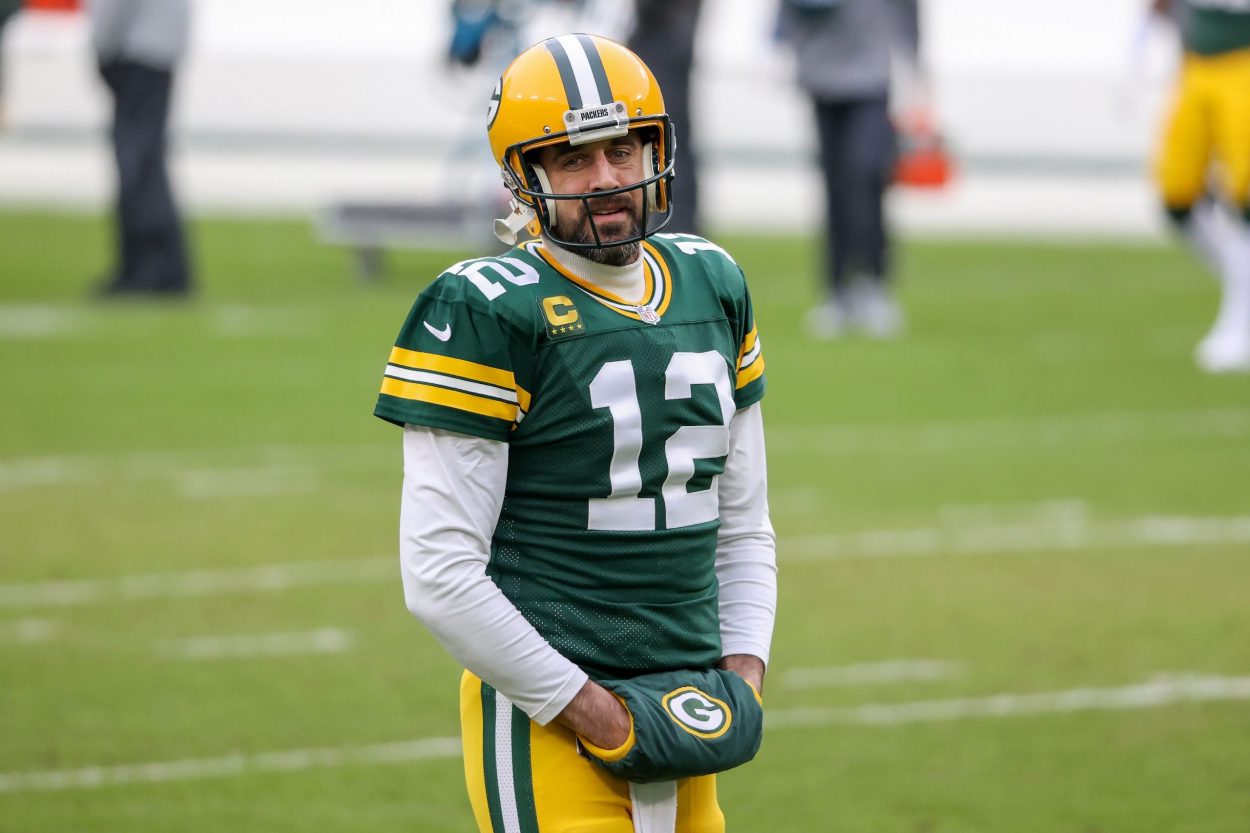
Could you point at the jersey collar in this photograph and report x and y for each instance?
(647, 279)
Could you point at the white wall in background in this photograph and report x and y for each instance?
(1010, 79)
(1018, 87)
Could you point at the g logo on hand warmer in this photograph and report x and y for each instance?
(696, 712)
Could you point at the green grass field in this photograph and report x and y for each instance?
(1015, 550)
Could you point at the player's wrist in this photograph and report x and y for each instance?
(746, 666)
(596, 715)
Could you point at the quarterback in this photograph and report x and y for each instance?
(1204, 164)
(584, 521)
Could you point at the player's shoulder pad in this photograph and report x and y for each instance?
(503, 286)
(689, 254)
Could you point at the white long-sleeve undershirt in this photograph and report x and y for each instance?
(453, 491)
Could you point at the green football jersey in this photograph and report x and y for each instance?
(1213, 27)
(617, 419)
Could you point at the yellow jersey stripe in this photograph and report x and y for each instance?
(450, 398)
(668, 278)
(455, 367)
(750, 349)
(755, 371)
(749, 343)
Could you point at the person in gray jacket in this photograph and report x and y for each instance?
(138, 44)
(8, 8)
(844, 51)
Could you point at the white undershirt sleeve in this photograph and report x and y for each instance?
(746, 549)
(453, 491)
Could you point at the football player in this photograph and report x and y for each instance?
(1203, 167)
(584, 519)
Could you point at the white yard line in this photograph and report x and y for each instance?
(1060, 534)
(262, 579)
(1060, 530)
(868, 673)
(293, 760)
(1026, 434)
(43, 472)
(1154, 693)
(242, 321)
(22, 322)
(35, 322)
(259, 481)
(266, 645)
(195, 473)
(28, 630)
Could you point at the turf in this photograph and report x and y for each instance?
(991, 491)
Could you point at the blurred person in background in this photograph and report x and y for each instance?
(1203, 167)
(844, 51)
(584, 520)
(486, 35)
(138, 45)
(8, 8)
(664, 37)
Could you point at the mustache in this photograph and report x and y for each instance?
(607, 205)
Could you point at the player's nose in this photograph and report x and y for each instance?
(603, 174)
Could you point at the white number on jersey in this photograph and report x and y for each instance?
(474, 270)
(614, 388)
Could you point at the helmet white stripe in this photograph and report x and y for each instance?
(587, 88)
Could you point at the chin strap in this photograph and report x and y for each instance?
(508, 229)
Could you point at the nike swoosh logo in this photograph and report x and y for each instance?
(441, 335)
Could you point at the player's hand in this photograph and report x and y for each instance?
(747, 667)
(685, 723)
(596, 715)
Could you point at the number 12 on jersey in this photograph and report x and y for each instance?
(614, 388)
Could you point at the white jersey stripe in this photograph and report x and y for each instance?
(443, 380)
(586, 85)
(503, 765)
(657, 277)
(750, 358)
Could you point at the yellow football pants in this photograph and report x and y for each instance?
(1208, 131)
(526, 778)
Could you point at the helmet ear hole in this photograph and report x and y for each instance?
(657, 194)
(543, 185)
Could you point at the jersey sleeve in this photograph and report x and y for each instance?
(749, 386)
(450, 368)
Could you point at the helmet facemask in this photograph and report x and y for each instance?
(652, 212)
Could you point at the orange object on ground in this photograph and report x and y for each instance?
(923, 160)
(54, 5)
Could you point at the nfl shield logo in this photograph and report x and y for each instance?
(648, 315)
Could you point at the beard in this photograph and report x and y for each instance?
(621, 254)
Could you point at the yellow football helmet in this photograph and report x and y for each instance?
(577, 89)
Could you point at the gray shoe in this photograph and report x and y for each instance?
(876, 311)
(827, 321)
